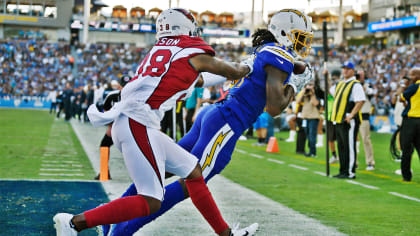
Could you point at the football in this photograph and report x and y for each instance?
(299, 67)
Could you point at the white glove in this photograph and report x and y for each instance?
(299, 81)
(250, 63)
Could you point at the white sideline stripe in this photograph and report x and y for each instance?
(61, 174)
(58, 165)
(298, 167)
(241, 151)
(256, 155)
(60, 169)
(276, 161)
(405, 196)
(363, 185)
(320, 173)
(52, 180)
(60, 161)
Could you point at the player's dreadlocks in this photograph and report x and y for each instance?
(262, 36)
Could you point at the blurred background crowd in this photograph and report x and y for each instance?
(36, 68)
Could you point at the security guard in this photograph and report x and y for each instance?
(410, 129)
(348, 100)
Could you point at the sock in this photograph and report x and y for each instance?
(334, 154)
(173, 195)
(357, 146)
(131, 191)
(261, 140)
(204, 202)
(320, 138)
(119, 210)
(292, 134)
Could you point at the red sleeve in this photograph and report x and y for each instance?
(197, 42)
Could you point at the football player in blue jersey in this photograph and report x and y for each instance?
(217, 128)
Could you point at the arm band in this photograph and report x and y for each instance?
(210, 79)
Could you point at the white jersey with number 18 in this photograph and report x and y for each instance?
(164, 77)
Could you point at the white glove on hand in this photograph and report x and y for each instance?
(250, 63)
(299, 81)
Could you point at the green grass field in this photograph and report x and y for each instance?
(32, 140)
(351, 208)
(33, 145)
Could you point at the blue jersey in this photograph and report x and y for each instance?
(246, 99)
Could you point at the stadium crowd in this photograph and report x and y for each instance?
(35, 67)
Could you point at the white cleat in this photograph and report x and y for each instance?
(333, 160)
(62, 225)
(290, 140)
(250, 230)
(370, 168)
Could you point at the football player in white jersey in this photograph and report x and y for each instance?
(168, 73)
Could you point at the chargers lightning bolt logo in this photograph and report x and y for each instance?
(218, 142)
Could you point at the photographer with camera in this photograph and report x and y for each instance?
(310, 116)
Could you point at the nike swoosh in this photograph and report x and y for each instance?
(281, 62)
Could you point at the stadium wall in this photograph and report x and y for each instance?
(54, 28)
(139, 39)
(25, 102)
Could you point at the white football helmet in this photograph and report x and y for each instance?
(176, 21)
(293, 29)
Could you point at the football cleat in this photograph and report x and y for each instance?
(250, 230)
(62, 224)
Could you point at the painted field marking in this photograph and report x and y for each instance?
(324, 174)
(77, 170)
(60, 161)
(298, 167)
(256, 155)
(320, 173)
(276, 161)
(241, 151)
(363, 185)
(61, 174)
(58, 165)
(404, 196)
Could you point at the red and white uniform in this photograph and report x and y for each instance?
(163, 77)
